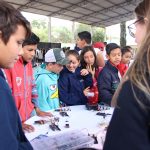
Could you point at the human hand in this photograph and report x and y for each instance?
(86, 91)
(42, 113)
(92, 71)
(84, 72)
(27, 127)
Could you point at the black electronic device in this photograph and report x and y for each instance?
(102, 114)
(63, 114)
(92, 106)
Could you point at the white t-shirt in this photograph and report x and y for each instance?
(104, 54)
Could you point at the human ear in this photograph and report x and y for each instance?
(145, 19)
(0, 35)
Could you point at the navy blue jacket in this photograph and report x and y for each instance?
(11, 133)
(71, 86)
(129, 128)
(108, 81)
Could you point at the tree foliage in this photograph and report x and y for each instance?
(40, 27)
(79, 27)
(63, 34)
(98, 34)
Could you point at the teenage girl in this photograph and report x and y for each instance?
(89, 62)
(74, 82)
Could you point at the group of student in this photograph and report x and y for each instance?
(83, 72)
(64, 78)
(67, 78)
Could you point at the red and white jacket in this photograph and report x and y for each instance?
(20, 79)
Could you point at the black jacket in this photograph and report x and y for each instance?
(130, 124)
(108, 81)
(11, 133)
(71, 86)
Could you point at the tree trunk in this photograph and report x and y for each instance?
(123, 34)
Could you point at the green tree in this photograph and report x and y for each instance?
(79, 27)
(40, 27)
(61, 35)
(98, 34)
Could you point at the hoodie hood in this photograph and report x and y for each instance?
(42, 70)
(47, 87)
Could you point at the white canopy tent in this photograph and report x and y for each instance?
(101, 13)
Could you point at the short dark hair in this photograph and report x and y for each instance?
(126, 49)
(105, 43)
(85, 35)
(32, 40)
(110, 47)
(10, 18)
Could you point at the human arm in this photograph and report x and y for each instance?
(36, 100)
(43, 97)
(27, 127)
(88, 81)
(129, 125)
(69, 88)
(63, 90)
(104, 87)
(34, 96)
(42, 113)
(86, 91)
(91, 70)
(100, 59)
(12, 136)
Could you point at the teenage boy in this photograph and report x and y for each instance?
(22, 84)
(47, 79)
(109, 77)
(13, 30)
(84, 39)
(125, 61)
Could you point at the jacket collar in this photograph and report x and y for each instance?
(110, 65)
(21, 61)
(1, 73)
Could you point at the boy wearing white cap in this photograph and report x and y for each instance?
(47, 79)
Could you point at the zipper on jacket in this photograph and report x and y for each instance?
(25, 107)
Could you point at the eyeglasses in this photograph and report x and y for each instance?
(132, 27)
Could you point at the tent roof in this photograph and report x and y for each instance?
(93, 12)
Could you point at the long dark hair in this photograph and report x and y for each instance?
(82, 61)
